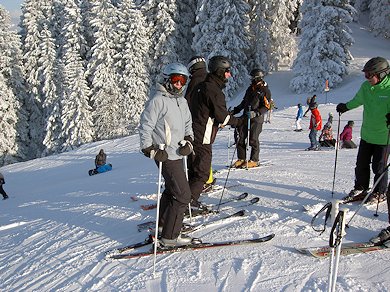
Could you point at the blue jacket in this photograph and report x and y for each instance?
(300, 113)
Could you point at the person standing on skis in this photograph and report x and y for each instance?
(256, 103)
(166, 120)
(374, 96)
(208, 109)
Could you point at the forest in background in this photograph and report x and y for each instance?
(77, 71)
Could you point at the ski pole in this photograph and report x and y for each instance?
(247, 139)
(386, 158)
(161, 147)
(336, 244)
(337, 149)
(186, 172)
(368, 194)
(227, 176)
(228, 150)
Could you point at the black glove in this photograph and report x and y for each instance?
(155, 153)
(186, 147)
(388, 119)
(341, 108)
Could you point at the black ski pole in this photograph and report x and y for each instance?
(227, 176)
(386, 156)
(337, 149)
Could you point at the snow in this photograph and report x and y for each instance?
(58, 222)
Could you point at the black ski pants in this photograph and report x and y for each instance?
(174, 199)
(199, 168)
(377, 155)
(256, 126)
(2, 191)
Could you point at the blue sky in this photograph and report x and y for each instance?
(11, 5)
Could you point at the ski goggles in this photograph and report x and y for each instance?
(174, 78)
(368, 75)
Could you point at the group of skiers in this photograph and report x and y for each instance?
(173, 128)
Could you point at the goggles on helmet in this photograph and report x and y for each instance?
(368, 75)
(174, 78)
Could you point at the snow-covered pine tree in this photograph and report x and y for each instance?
(282, 41)
(222, 28)
(380, 17)
(160, 17)
(8, 102)
(76, 113)
(48, 91)
(102, 72)
(36, 15)
(131, 64)
(323, 48)
(259, 52)
(185, 19)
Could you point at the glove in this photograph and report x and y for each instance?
(186, 147)
(341, 108)
(231, 111)
(252, 114)
(155, 153)
(388, 119)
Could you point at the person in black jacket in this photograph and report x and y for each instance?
(2, 181)
(255, 104)
(208, 109)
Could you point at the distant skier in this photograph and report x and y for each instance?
(298, 119)
(374, 96)
(2, 181)
(272, 106)
(100, 163)
(346, 136)
(315, 126)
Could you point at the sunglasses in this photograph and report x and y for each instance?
(176, 78)
(368, 75)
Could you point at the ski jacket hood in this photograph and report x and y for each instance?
(376, 104)
(166, 119)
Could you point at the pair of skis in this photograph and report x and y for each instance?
(195, 246)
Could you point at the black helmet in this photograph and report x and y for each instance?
(377, 66)
(257, 74)
(218, 62)
(196, 62)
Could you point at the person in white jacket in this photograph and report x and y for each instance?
(166, 120)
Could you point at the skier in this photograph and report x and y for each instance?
(309, 101)
(256, 103)
(326, 138)
(208, 108)
(198, 71)
(346, 136)
(2, 181)
(298, 119)
(166, 119)
(315, 126)
(269, 112)
(374, 95)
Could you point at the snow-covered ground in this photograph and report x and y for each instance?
(58, 222)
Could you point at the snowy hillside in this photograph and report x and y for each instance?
(58, 222)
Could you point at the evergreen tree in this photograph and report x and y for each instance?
(323, 49)
(9, 148)
(132, 65)
(222, 28)
(76, 115)
(185, 20)
(380, 17)
(160, 17)
(260, 49)
(102, 72)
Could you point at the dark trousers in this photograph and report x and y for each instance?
(377, 155)
(174, 199)
(2, 191)
(348, 144)
(256, 126)
(199, 165)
